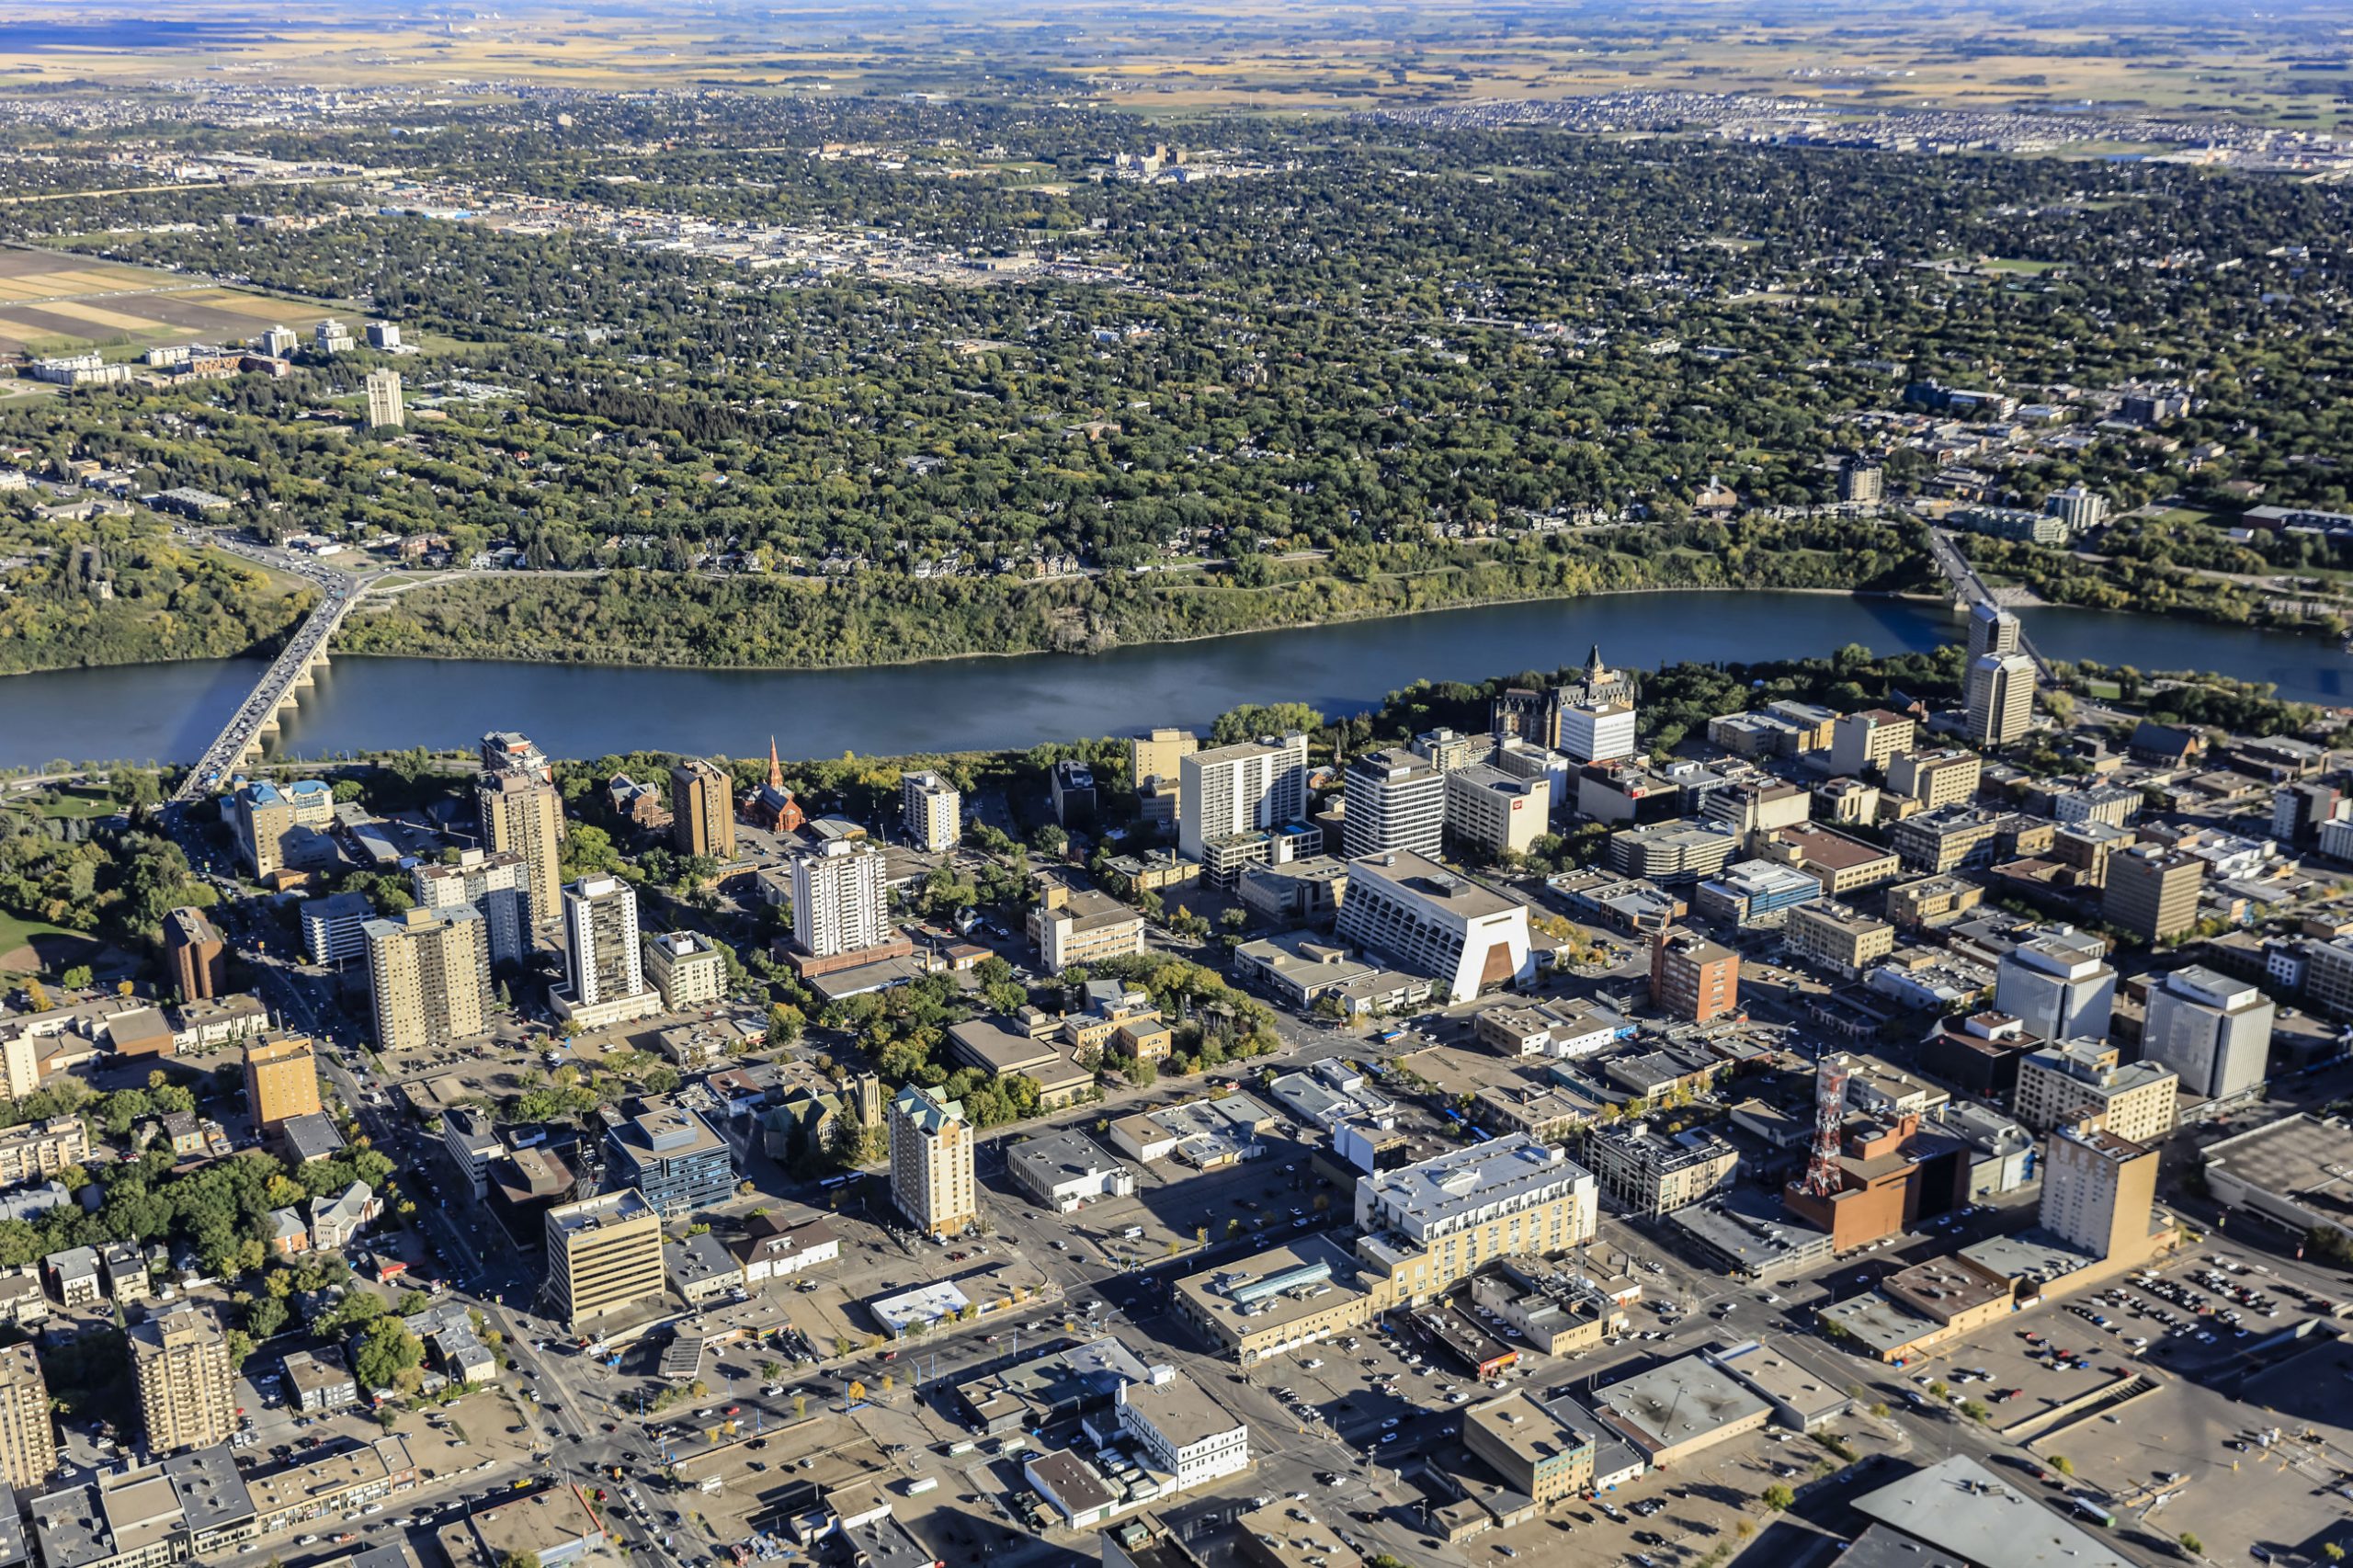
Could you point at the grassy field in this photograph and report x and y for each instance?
(35, 946)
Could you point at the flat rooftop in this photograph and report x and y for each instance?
(1504, 1171)
(1181, 1410)
(605, 1209)
(2299, 1157)
(1530, 1431)
(1679, 1401)
(1958, 1505)
(1425, 879)
(1059, 1157)
(1270, 1289)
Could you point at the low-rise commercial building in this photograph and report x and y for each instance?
(1064, 1171)
(1833, 937)
(1650, 1172)
(1537, 1452)
(1679, 1409)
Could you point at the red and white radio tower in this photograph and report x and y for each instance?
(1822, 1179)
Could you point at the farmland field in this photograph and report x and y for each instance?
(53, 304)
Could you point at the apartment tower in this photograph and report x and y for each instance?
(605, 963)
(187, 1391)
(2001, 697)
(384, 406)
(931, 1162)
(521, 813)
(840, 898)
(429, 976)
(27, 1435)
(493, 883)
(194, 956)
(702, 806)
(1240, 788)
(931, 810)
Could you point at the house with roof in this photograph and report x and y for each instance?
(336, 1221)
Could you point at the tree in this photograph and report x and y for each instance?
(1778, 1497)
(2063, 1464)
(800, 1406)
(2191, 1544)
(387, 1350)
(519, 1560)
(76, 979)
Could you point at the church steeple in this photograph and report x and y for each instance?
(776, 768)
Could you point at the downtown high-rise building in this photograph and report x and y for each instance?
(194, 956)
(1396, 800)
(702, 809)
(2211, 1029)
(493, 882)
(428, 977)
(841, 900)
(1992, 629)
(604, 1259)
(28, 1431)
(931, 1162)
(187, 1390)
(1245, 787)
(2001, 698)
(604, 962)
(931, 810)
(523, 814)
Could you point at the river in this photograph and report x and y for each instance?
(170, 711)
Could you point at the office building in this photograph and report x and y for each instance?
(497, 883)
(384, 335)
(1538, 1454)
(1597, 731)
(194, 956)
(703, 810)
(2212, 1030)
(931, 810)
(522, 814)
(671, 1158)
(2077, 1079)
(687, 968)
(1872, 739)
(428, 977)
(1189, 1434)
(281, 1079)
(384, 406)
(1943, 777)
(1672, 852)
(841, 901)
(1693, 978)
(931, 1162)
(1757, 805)
(28, 1434)
(2153, 891)
(2001, 698)
(187, 1391)
(1396, 800)
(1991, 630)
(1242, 789)
(1421, 918)
(283, 826)
(1493, 812)
(1755, 893)
(1079, 925)
(1835, 939)
(604, 963)
(2058, 985)
(2098, 1191)
(2300, 811)
(1439, 1220)
(604, 1259)
(335, 928)
(1448, 749)
(1648, 1172)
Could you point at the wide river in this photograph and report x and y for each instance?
(170, 711)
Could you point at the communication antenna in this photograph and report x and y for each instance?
(1822, 1177)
